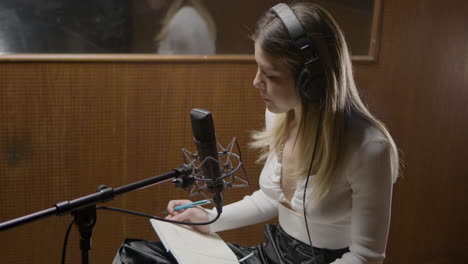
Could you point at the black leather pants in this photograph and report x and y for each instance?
(280, 248)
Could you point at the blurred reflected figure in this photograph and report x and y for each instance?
(187, 28)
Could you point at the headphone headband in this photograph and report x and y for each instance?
(296, 32)
(310, 78)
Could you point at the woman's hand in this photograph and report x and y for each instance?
(189, 215)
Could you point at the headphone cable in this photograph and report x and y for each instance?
(307, 182)
(67, 233)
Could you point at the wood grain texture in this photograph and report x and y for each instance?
(419, 89)
(68, 127)
(61, 137)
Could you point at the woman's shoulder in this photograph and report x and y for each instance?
(361, 131)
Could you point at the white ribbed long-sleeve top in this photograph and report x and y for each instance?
(355, 213)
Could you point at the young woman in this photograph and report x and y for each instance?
(329, 164)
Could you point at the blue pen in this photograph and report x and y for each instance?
(190, 205)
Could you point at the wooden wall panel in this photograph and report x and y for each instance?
(61, 136)
(419, 89)
(68, 127)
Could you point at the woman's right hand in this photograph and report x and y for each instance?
(189, 215)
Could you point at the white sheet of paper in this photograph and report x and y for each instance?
(189, 246)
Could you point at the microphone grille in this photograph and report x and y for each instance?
(202, 125)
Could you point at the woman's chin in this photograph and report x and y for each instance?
(272, 108)
(275, 110)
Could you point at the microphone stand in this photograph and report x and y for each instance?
(83, 208)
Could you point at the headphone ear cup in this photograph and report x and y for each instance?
(302, 81)
(310, 87)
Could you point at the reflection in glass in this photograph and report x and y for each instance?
(156, 26)
(61, 26)
(355, 19)
(187, 28)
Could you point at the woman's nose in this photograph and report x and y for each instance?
(257, 81)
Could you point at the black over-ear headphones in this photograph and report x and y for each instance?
(310, 79)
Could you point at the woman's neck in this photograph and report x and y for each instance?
(295, 122)
(297, 115)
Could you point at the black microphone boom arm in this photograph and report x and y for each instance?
(84, 208)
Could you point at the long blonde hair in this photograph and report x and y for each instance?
(342, 98)
(175, 7)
